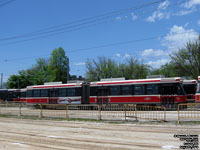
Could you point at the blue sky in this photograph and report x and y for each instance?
(149, 30)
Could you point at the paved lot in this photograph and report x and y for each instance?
(23, 134)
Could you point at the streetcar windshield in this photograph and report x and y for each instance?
(190, 88)
(172, 89)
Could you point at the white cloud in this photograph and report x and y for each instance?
(186, 24)
(164, 5)
(134, 17)
(184, 12)
(127, 55)
(159, 13)
(198, 22)
(118, 55)
(178, 37)
(157, 63)
(153, 53)
(191, 3)
(118, 18)
(79, 64)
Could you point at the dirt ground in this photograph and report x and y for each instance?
(25, 134)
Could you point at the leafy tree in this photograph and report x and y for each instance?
(19, 81)
(135, 69)
(102, 68)
(168, 70)
(186, 61)
(108, 68)
(39, 72)
(58, 68)
(13, 81)
(45, 70)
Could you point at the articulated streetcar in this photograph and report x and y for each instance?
(161, 91)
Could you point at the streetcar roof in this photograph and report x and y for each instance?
(189, 82)
(154, 80)
(54, 86)
(23, 90)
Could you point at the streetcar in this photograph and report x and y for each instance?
(160, 91)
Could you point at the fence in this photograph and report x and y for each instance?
(144, 112)
(98, 112)
(104, 112)
(18, 109)
(189, 112)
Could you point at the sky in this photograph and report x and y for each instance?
(148, 30)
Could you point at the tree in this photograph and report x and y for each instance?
(135, 69)
(19, 81)
(186, 61)
(168, 70)
(102, 68)
(39, 72)
(13, 82)
(108, 68)
(58, 68)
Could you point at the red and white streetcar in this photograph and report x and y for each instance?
(160, 91)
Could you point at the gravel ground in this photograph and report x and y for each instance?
(23, 134)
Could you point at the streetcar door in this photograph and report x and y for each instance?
(168, 92)
(85, 93)
(53, 96)
(102, 95)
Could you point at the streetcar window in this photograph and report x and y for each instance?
(62, 92)
(29, 93)
(198, 88)
(23, 94)
(180, 90)
(53, 93)
(36, 93)
(126, 90)
(71, 92)
(44, 93)
(152, 89)
(93, 91)
(78, 91)
(115, 90)
(139, 90)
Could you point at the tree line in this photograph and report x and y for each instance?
(183, 62)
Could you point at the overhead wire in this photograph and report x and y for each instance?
(82, 21)
(105, 45)
(68, 29)
(6, 3)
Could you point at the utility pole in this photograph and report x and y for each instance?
(1, 80)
